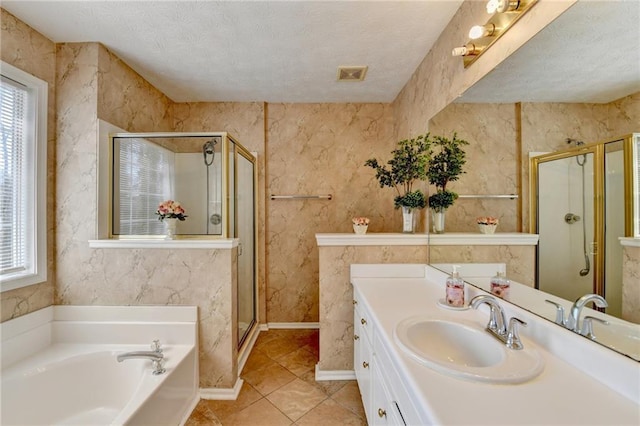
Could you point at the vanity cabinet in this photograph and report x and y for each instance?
(385, 400)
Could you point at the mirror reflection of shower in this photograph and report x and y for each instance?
(582, 160)
(212, 210)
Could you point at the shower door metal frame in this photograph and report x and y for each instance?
(598, 151)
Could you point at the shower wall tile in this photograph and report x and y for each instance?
(127, 100)
(631, 284)
(491, 168)
(28, 50)
(336, 295)
(245, 121)
(320, 149)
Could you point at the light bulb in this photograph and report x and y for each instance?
(478, 31)
(492, 6)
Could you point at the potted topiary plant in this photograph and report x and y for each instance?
(445, 165)
(408, 165)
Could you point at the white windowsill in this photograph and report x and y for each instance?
(226, 243)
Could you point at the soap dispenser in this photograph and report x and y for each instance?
(500, 284)
(455, 289)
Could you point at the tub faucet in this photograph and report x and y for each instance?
(155, 357)
(573, 322)
(496, 326)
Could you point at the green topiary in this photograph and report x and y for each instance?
(444, 167)
(410, 162)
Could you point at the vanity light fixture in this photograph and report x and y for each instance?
(504, 13)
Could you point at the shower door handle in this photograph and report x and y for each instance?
(593, 248)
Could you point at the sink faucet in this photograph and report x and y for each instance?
(155, 357)
(496, 326)
(573, 321)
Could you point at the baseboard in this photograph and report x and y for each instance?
(293, 325)
(263, 327)
(222, 393)
(325, 375)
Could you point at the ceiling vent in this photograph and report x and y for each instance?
(351, 73)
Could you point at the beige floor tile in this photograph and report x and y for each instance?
(267, 379)
(329, 387)
(260, 413)
(349, 397)
(202, 416)
(256, 360)
(296, 398)
(298, 362)
(224, 408)
(330, 413)
(279, 347)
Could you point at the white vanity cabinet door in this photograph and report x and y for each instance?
(385, 409)
(362, 360)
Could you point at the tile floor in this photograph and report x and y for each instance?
(280, 388)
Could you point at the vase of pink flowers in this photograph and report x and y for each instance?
(170, 212)
(360, 224)
(487, 224)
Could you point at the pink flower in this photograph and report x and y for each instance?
(170, 209)
(487, 220)
(360, 221)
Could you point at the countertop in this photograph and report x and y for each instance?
(561, 395)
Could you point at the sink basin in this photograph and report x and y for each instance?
(462, 349)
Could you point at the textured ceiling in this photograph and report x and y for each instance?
(253, 51)
(591, 53)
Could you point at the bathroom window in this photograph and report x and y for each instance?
(23, 131)
(143, 179)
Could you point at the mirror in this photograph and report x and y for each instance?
(578, 79)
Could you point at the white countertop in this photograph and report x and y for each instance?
(561, 395)
(446, 239)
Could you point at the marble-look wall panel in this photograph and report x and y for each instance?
(320, 149)
(624, 115)
(336, 296)
(30, 51)
(491, 168)
(127, 100)
(520, 260)
(76, 183)
(191, 277)
(244, 121)
(631, 284)
(441, 78)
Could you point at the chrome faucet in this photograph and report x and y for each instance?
(496, 326)
(573, 321)
(155, 357)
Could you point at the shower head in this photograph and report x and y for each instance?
(208, 148)
(576, 142)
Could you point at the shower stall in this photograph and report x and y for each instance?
(211, 175)
(584, 199)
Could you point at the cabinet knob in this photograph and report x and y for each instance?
(355, 302)
(382, 413)
(356, 337)
(363, 321)
(365, 364)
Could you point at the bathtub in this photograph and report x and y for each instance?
(59, 367)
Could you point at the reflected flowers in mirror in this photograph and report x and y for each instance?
(170, 209)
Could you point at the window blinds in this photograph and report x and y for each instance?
(144, 181)
(14, 179)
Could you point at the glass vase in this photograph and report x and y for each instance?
(437, 221)
(408, 220)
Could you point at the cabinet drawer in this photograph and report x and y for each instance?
(362, 363)
(386, 410)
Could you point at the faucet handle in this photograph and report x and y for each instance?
(155, 346)
(513, 339)
(587, 326)
(158, 367)
(559, 312)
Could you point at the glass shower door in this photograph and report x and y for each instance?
(566, 219)
(245, 226)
